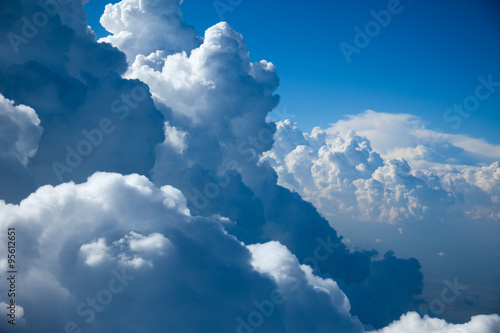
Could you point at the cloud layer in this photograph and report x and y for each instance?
(343, 175)
(209, 242)
(413, 323)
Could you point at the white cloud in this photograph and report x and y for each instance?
(204, 277)
(421, 146)
(95, 253)
(144, 27)
(175, 138)
(125, 223)
(413, 323)
(342, 175)
(20, 131)
(274, 259)
(155, 242)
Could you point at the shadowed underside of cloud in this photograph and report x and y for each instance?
(415, 142)
(211, 154)
(93, 119)
(133, 259)
(20, 132)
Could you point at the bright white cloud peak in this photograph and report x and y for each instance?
(343, 176)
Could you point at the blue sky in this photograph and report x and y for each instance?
(427, 59)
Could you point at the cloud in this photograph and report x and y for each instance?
(197, 121)
(343, 176)
(413, 323)
(20, 133)
(203, 280)
(92, 118)
(144, 27)
(418, 144)
(95, 253)
(155, 242)
(297, 283)
(218, 169)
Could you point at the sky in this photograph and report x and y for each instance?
(165, 166)
(427, 59)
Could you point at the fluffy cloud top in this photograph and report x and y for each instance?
(144, 27)
(343, 176)
(413, 323)
(133, 246)
(421, 146)
(20, 131)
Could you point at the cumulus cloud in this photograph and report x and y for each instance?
(95, 253)
(344, 176)
(418, 144)
(93, 119)
(198, 118)
(144, 27)
(203, 280)
(20, 133)
(413, 323)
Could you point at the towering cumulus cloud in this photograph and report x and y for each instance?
(340, 173)
(143, 27)
(147, 206)
(118, 254)
(215, 101)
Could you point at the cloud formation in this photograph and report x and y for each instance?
(343, 176)
(211, 242)
(144, 27)
(413, 323)
(132, 246)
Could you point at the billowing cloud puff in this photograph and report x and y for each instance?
(144, 27)
(119, 252)
(421, 146)
(217, 68)
(20, 132)
(295, 284)
(476, 188)
(413, 323)
(343, 176)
